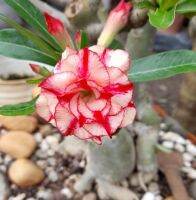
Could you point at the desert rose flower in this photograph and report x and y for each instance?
(116, 20)
(57, 29)
(89, 94)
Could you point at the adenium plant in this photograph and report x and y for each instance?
(88, 93)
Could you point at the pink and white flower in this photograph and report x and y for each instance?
(89, 94)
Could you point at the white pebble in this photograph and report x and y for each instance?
(41, 154)
(7, 159)
(51, 161)
(161, 133)
(3, 168)
(51, 152)
(191, 149)
(52, 141)
(187, 164)
(18, 197)
(44, 146)
(44, 194)
(174, 137)
(179, 148)
(159, 197)
(153, 187)
(38, 137)
(168, 144)
(53, 176)
(42, 163)
(67, 192)
(148, 196)
(187, 157)
(191, 173)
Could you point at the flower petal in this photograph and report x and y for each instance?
(46, 104)
(95, 129)
(64, 119)
(117, 58)
(116, 76)
(96, 104)
(115, 121)
(84, 110)
(129, 115)
(57, 83)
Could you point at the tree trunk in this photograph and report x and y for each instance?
(186, 108)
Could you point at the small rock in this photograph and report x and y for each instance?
(191, 173)
(174, 137)
(44, 146)
(25, 173)
(18, 144)
(7, 160)
(18, 197)
(3, 168)
(148, 196)
(3, 187)
(179, 148)
(44, 194)
(153, 187)
(51, 152)
(53, 176)
(191, 149)
(89, 196)
(51, 161)
(19, 123)
(168, 144)
(187, 164)
(41, 154)
(67, 192)
(192, 189)
(158, 197)
(38, 137)
(187, 157)
(42, 163)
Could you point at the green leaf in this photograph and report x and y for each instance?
(187, 6)
(33, 17)
(163, 65)
(40, 43)
(116, 45)
(18, 109)
(166, 5)
(14, 45)
(161, 18)
(145, 4)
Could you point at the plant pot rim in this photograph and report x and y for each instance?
(14, 81)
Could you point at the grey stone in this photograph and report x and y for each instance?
(3, 187)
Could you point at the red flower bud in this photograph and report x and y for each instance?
(57, 29)
(40, 70)
(117, 19)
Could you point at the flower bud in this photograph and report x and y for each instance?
(40, 70)
(117, 19)
(57, 29)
